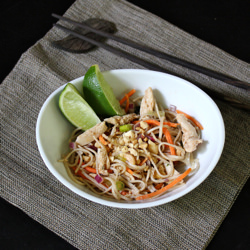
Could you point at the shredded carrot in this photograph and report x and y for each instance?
(79, 173)
(154, 122)
(191, 118)
(143, 161)
(164, 189)
(124, 192)
(130, 93)
(169, 140)
(105, 185)
(93, 170)
(135, 122)
(158, 186)
(90, 169)
(171, 124)
(129, 170)
(102, 140)
(127, 104)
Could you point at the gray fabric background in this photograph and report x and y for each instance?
(187, 223)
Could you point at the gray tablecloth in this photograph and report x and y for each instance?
(187, 223)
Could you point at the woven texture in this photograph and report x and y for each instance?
(187, 223)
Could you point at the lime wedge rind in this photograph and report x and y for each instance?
(99, 94)
(77, 111)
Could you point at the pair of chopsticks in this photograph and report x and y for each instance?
(149, 65)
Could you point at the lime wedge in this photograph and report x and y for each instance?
(76, 109)
(99, 94)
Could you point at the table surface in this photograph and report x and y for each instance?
(224, 24)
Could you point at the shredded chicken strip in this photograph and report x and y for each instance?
(87, 136)
(147, 103)
(190, 137)
(101, 160)
(121, 120)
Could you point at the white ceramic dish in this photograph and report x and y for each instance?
(53, 130)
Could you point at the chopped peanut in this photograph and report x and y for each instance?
(143, 145)
(144, 125)
(97, 145)
(130, 134)
(125, 149)
(152, 147)
(130, 158)
(133, 152)
(134, 141)
(161, 170)
(121, 141)
(85, 158)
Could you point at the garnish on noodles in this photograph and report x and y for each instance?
(135, 156)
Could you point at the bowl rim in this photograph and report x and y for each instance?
(138, 204)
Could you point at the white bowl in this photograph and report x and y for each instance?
(53, 130)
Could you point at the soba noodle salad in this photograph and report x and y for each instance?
(136, 156)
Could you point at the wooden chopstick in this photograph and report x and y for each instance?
(114, 50)
(186, 64)
(152, 66)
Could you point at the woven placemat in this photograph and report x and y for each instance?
(187, 223)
